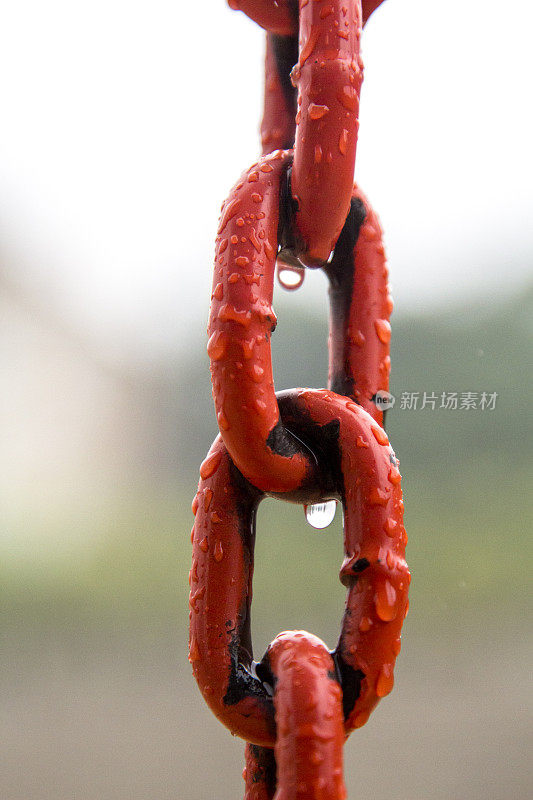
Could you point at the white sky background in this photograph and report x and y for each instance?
(124, 125)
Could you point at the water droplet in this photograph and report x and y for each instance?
(385, 602)
(394, 476)
(365, 624)
(247, 348)
(223, 423)
(385, 681)
(383, 330)
(228, 313)
(209, 465)
(194, 653)
(306, 51)
(289, 277)
(194, 572)
(217, 345)
(378, 497)
(320, 515)
(348, 98)
(257, 373)
(317, 111)
(208, 496)
(343, 141)
(218, 552)
(254, 240)
(194, 597)
(380, 435)
(230, 209)
(357, 337)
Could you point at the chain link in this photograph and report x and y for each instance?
(296, 706)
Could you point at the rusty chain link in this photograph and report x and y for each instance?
(298, 207)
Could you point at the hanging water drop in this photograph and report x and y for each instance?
(290, 277)
(320, 515)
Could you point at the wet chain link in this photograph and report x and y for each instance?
(297, 207)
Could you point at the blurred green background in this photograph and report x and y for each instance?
(97, 695)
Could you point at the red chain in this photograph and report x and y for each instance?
(296, 706)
